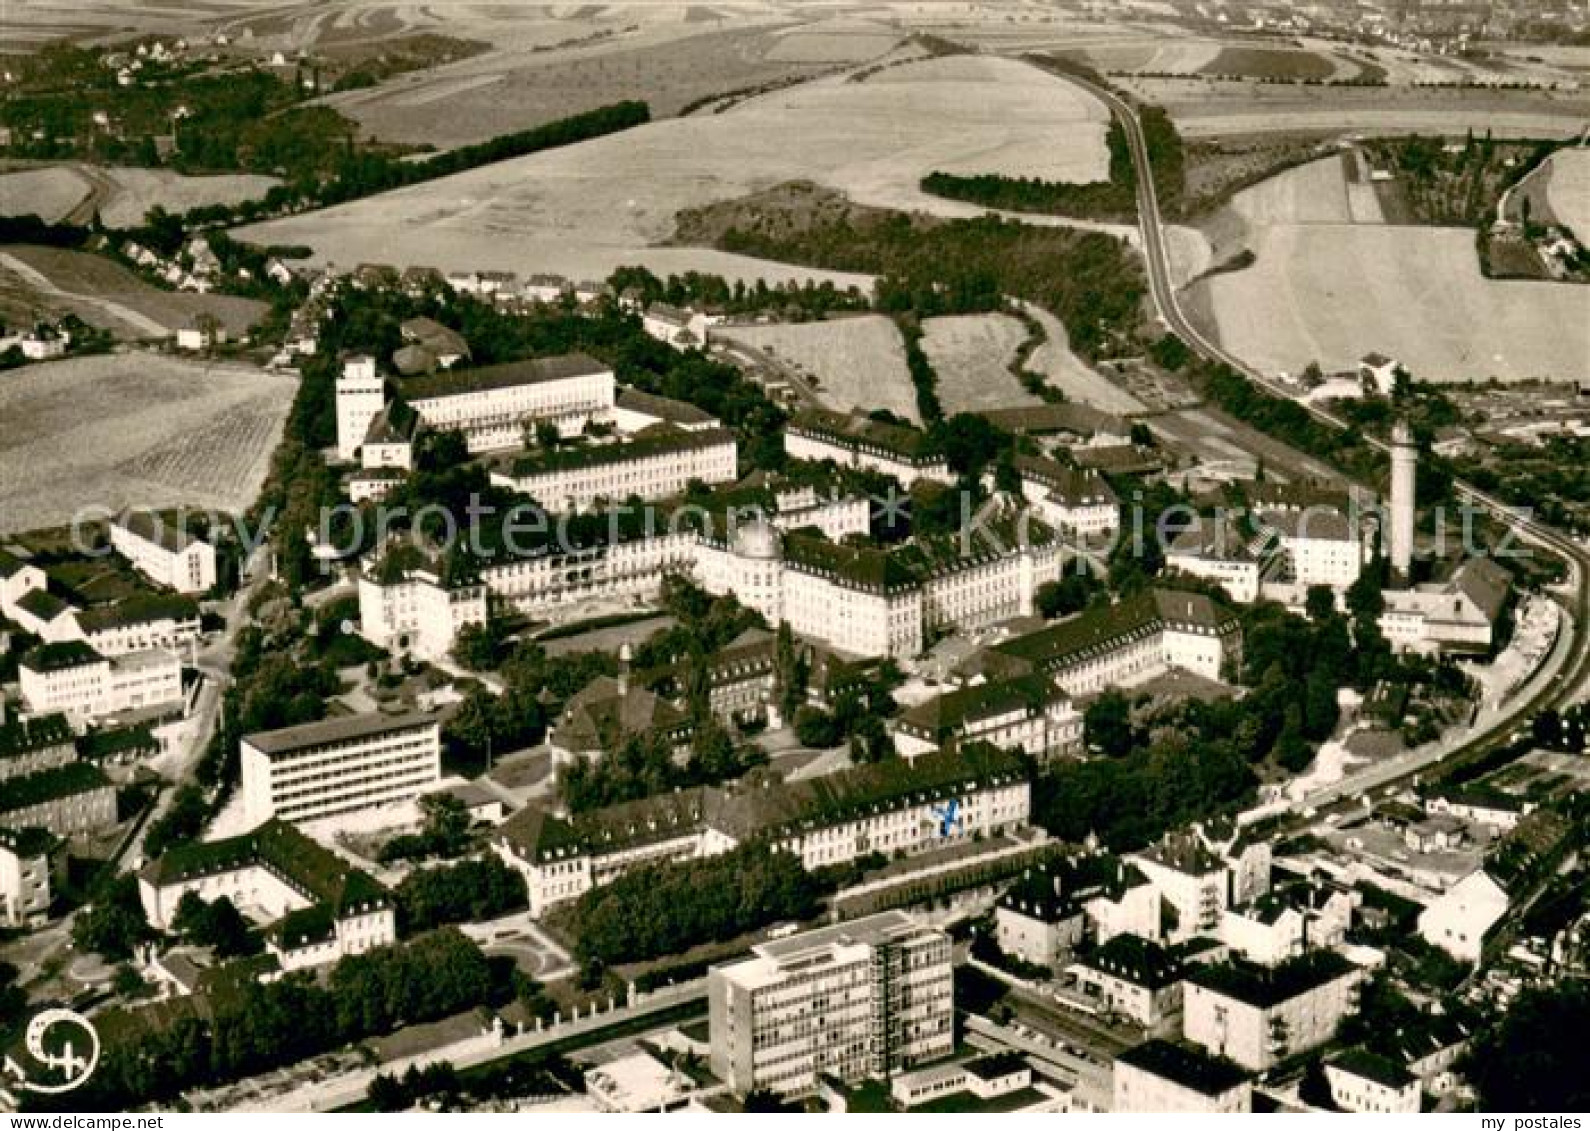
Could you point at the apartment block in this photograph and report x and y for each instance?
(339, 766)
(858, 1000)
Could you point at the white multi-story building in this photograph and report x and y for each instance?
(1222, 553)
(17, 579)
(656, 464)
(74, 680)
(857, 1000)
(1321, 545)
(1056, 905)
(1069, 498)
(168, 555)
(888, 807)
(1028, 712)
(1366, 1082)
(360, 395)
(321, 908)
(492, 406)
(1134, 978)
(1259, 1016)
(1461, 918)
(1459, 616)
(1192, 880)
(1128, 642)
(1161, 1078)
(32, 868)
(141, 623)
(339, 766)
(859, 441)
(415, 610)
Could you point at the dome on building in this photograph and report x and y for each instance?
(756, 539)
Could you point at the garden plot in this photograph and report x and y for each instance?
(51, 194)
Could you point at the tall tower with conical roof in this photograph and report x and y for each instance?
(1404, 490)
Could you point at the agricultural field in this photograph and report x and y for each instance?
(1067, 372)
(585, 209)
(51, 194)
(1270, 63)
(103, 293)
(134, 429)
(1207, 108)
(123, 196)
(971, 356)
(1568, 190)
(1334, 292)
(848, 362)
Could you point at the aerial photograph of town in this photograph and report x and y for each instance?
(805, 556)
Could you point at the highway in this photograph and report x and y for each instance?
(1576, 668)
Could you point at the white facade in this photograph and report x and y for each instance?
(27, 875)
(1372, 1085)
(88, 687)
(1258, 1019)
(1159, 1078)
(339, 766)
(1460, 918)
(164, 554)
(361, 394)
(856, 1000)
(417, 613)
(655, 467)
(852, 442)
(493, 406)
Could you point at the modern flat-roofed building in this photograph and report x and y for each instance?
(32, 868)
(71, 678)
(1259, 1016)
(858, 1000)
(321, 907)
(137, 624)
(1162, 1077)
(339, 766)
(166, 554)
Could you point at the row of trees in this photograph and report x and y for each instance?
(259, 1027)
(666, 909)
(466, 892)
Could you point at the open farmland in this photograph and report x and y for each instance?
(136, 191)
(848, 362)
(1334, 292)
(161, 431)
(49, 193)
(1269, 63)
(585, 209)
(971, 355)
(1067, 372)
(103, 293)
(1568, 190)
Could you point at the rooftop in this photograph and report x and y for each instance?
(28, 842)
(1265, 987)
(1053, 890)
(1101, 627)
(943, 715)
(1136, 960)
(145, 608)
(60, 656)
(1182, 1064)
(859, 429)
(50, 785)
(1374, 1067)
(23, 736)
(664, 408)
(456, 382)
(659, 439)
(153, 528)
(346, 728)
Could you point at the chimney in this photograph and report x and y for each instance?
(623, 669)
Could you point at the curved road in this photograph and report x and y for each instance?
(1576, 668)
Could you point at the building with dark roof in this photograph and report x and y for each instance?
(656, 463)
(32, 869)
(891, 806)
(608, 712)
(857, 440)
(74, 797)
(339, 766)
(1133, 977)
(1028, 712)
(33, 744)
(1164, 1077)
(1365, 1082)
(493, 405)
(1261, 1015)
(321, 907)
(166, 553)
(1058, 904)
